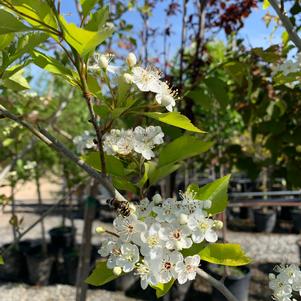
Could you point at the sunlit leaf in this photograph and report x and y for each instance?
(182, 148)
(176, 119)
(82, 40)
(10, 23)
(163, 288)
(224, 254)
(100, 275)
(215, 191)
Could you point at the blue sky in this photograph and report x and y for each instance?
(255, 33)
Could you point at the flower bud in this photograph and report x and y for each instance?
(128, 78)
(103, 61)
(131, 59)
(100, 230)
(157, 199)
(217, 225)
(117, 271)
(183, 218)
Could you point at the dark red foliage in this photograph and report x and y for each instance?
(229, 15)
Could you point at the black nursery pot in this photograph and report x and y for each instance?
(39, 266)
(296, 217)
(62, 238)
(237, 283)
(14, 268)
(65, 267)
(265, 221)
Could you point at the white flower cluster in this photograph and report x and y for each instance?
(289, 66)
(146, 80)
(286, 282)
(151, 238)
(83, 142)
(141, 140)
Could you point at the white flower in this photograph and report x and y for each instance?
(144, 208)
(289, 67)
(129, 228)
(118, 142)
(282, 290)
(187, 270)
(286, 282)
(131, 59)
(166, 212)
(178, 237)
(146, 79)
(102, 61)
(146, 139)
(202, 229)
(106, 247)
(148, 274)
(153, 241)
(167, 264)
(85, 141)
(166, 97)
(129, 256)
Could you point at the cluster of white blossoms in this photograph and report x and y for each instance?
(286, 282)
(289, 66)
(151, 239)
(140, 140)
(83, 142)
(146, 79)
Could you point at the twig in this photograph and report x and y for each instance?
(287, 24)
(53, 143)
(217, 284)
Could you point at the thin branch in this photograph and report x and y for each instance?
(53, 143)
(217, 284)
(287, 24)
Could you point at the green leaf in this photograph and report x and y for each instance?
(269, 55)
(266, 4)
(216, 192)
(194, 249)
(102, 111)
(218, 89)
(5, 40)
(54, 66)
(123, 184)
(200, 97)
(1, 260)
(7, 142)
(176, 119)
(82, 40)
(16, 82)
(87, 5)
(182, 148)
(98, 19)
(114, 165)
(101, 275)
(163, 288)
(38, 11)
(224, 254)
(10, 23)
(160, 172)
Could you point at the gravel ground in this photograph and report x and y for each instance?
(265, 249)
(21, 292)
